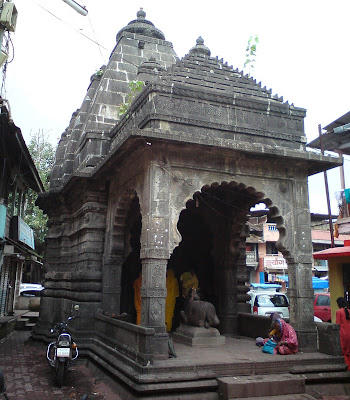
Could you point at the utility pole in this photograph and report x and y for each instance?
(8, 20)
(327, 190)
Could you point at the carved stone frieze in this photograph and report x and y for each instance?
(150, 292)
(155, 253)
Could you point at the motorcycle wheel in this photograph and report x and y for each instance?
(60, 374)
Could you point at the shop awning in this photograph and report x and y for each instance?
(333, 252)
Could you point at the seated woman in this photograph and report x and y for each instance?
(285, 336)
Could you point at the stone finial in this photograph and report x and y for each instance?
(141, 14)
(200, 48)
(142, 26)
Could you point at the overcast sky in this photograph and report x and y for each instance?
(302, 55)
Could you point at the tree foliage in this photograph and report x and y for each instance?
(251, 53)
(43, 155)
(135, 88)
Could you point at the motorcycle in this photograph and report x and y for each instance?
(64, 350)
(2, 386)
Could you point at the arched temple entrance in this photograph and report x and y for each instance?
(213, 230)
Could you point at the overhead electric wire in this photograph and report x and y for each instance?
(93, 31)
(69, 25)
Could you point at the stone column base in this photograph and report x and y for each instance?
(307, 340)
(195, 336)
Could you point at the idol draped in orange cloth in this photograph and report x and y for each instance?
(188, 280)
(137, 298)
(343, 319)
(172, 288)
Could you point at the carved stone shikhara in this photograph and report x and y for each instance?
(172, 180)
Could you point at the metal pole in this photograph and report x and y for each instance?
(327, 190)
(77, 7)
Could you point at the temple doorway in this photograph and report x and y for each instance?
(213, 231)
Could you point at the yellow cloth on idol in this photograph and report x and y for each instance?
(189, 281)
(172, 288)
(137, 298)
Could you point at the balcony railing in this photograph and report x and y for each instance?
(251, 257)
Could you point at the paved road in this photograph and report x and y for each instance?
(28, 375)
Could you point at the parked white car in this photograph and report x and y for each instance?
(30, 289)
(29, 296)
(267, 303)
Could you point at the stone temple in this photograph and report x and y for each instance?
(171, 182)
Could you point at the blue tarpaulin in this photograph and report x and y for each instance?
(265, 286)
(317, 283)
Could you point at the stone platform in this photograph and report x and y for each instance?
(195, 336)
(197, 372)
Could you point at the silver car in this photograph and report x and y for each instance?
(267, 303)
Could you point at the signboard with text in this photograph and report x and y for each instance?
(2, 220)
(275, 263)
(22, 232)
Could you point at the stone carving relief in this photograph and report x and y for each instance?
(157, 276)
(156, 311)
(189, 106)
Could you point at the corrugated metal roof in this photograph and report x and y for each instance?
(344, 119)
(334, 141)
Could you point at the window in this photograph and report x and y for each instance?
(323, 300)
(271, 248)
(273, 300)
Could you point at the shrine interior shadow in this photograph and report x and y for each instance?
(213, 228)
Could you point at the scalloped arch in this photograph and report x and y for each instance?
(254, 195)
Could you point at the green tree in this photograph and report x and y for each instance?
(43, 155)
(251, 53)
(135, 88)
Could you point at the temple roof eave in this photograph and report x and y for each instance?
(313, 162)
(134, 137)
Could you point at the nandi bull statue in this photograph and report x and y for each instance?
(199, 313)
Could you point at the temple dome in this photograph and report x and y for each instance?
(200, 48)
(142, 26)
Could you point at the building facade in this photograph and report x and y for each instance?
(18, 175)
(266, 264)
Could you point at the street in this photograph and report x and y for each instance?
(28, 375)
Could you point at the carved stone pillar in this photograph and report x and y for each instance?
(301, 294)
(111, 288)
(154, 254)
(228, 318)
(300, 291)
(228, 279)
(153, 292)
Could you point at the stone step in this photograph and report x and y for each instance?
(323, 377)
(32, 315)
(302, 396)
(21, 323)
(317, 368)
(26, 322)
(244, 387)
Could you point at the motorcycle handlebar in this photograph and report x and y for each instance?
(61, 325)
